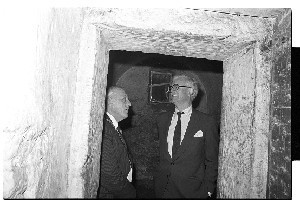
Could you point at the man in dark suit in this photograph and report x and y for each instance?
(188, 147)
(116, 166)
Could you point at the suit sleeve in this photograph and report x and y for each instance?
(211, 155)
(112, 176)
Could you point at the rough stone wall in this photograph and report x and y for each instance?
(183, 32)
(83, 162)
(47, 146)
(91, 167)
(236, 142)
(244, 124)
(261, 119)
(37, 149)
(61, 66)
(279, 174)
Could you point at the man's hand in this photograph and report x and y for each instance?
(209, 194)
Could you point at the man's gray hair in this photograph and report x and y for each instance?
(111, 91)
(190, 79)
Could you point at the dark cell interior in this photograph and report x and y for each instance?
(132, 71)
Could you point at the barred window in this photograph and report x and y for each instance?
(158, 87)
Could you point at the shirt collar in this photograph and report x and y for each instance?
(186, 111)
(114, 121)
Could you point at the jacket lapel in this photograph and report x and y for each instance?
(118, 132)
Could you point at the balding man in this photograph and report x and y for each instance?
(116, 166)
(188, 146)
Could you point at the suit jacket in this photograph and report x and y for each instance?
(193, 170)
(115, 165)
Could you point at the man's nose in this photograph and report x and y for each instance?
(174, 90)
(128, 103)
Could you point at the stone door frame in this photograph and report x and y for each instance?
(91, 90)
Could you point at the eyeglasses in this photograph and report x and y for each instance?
(175, 87)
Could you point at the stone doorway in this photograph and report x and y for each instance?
(53, 147)
(245, 52)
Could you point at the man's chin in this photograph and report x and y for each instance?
(174, 101)
(125, 115)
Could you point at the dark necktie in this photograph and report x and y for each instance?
(123, 141)
(177, 135)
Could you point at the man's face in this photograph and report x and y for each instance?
(181, 95)
(119, 105)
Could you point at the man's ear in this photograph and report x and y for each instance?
(192, 91)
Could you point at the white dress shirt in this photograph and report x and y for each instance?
(114, 121)
(115, 124)
(185, 118)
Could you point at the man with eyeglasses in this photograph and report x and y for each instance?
(116, 166)
(188, 146)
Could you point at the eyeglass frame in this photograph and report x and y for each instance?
(176, 87)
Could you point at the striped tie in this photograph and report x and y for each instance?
(123, 141)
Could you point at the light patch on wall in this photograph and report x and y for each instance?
(17, 73)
